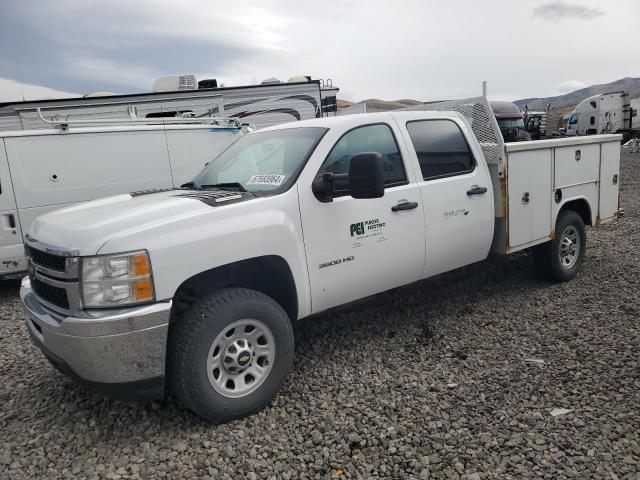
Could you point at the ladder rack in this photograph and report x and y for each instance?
(64, 125)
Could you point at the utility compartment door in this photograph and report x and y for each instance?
(529, 180)
(11, 248)
(609, 181)
(576, 164)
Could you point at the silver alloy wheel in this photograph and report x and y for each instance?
(240, 358)
(569, 247)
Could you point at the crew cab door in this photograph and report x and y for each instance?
(359, 247)
(456, 191)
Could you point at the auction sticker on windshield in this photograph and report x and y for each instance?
(275, 180)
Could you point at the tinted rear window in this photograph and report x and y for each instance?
(441, 148)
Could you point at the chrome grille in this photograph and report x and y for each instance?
(54, 296)
(54, 276)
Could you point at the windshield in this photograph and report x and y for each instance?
(262, 162)
(510, 123)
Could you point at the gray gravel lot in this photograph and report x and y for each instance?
(428, 381)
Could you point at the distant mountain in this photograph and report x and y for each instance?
(377, 105)
(630, 85)
(560, 105)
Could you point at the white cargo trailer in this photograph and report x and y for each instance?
(47, 169)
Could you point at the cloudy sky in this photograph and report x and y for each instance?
(423, 49)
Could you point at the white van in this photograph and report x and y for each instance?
(46, 169)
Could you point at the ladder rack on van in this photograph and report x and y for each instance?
(217, 121)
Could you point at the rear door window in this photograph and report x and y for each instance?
(441, 148)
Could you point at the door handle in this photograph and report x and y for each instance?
(475, 190)
(404, 206)
(8, 222)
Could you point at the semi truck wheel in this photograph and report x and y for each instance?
(229, 353)
(560, 259)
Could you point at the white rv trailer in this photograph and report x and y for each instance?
(42, 170)
(263, 105)
(611, 112)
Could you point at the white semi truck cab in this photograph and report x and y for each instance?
(195, 290)
(613, 112)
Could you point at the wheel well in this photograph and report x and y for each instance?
(581, 207)
(270, 275)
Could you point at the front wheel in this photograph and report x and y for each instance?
(560, 259)
(229, 353)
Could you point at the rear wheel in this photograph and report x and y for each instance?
(229, 353)
(560, 259)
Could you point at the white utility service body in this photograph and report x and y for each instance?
(289, 241)
(44, 170)
(553, 173)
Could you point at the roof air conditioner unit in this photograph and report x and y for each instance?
(173, 83)
(299, 79)
(208, 83)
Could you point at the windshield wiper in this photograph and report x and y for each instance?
(233, 186)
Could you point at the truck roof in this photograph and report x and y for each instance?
(598, 95)
(505, 110)
(329, 122)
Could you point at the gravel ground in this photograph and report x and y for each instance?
(428, 381)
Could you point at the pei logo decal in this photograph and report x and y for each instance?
(356, 229)
(360, 228)
(367, 232)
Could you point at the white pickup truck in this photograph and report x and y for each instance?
(195, 289)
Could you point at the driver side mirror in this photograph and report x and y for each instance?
(365, 178)
(366, 175)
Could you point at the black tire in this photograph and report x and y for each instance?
(192, 336)
(546, 257)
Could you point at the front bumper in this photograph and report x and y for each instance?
(118, 353)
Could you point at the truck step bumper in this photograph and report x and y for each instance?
(120, 354)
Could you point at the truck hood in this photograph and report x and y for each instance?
(88, 226)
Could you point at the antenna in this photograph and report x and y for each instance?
(19, 76)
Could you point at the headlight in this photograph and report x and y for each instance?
(117, 280)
